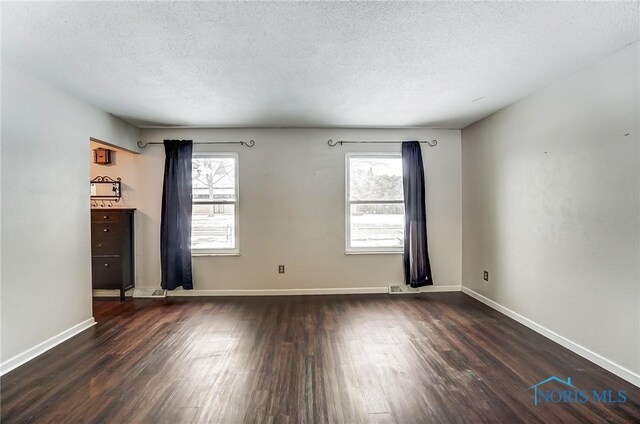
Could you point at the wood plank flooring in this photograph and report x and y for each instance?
(428, 358)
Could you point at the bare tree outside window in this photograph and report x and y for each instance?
(211, 173)
(214, 218)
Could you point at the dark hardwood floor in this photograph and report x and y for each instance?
(429, 358)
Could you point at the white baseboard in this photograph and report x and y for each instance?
(300, 292)
(277, 292)
(29, 354)
(597, 359)
(110, 293)
(138, 293)
(437, 289)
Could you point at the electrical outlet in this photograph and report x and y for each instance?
(486, 276)
(280, 269)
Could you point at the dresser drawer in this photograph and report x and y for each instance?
(106, 232)
(106, 272)
(106, 246)
(105, 216)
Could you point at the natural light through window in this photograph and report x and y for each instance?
(375, 203)
(214, 224)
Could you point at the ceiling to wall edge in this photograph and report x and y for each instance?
(112, 145)
(355, 127)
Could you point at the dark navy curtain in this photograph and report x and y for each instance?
(417, 268)
(175, 226)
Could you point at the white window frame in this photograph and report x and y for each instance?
(350, 250)
(222, 252)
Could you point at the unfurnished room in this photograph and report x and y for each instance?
(310, 212)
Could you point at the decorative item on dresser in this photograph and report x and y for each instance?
(112, 249)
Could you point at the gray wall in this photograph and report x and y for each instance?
(46, 284)
(551, 209)
(292, 210)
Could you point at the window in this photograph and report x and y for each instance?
(214, 225)
(375, 203)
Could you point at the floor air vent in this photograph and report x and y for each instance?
(402, 289)
(149, 293)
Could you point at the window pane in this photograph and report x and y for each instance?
(377, 225)
(214, 179)
(213, 227)
(375, 178)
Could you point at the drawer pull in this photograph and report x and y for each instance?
(106, 230)
(99, 244)
(105, 217)
(106, 265)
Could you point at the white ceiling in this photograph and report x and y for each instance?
(346, 64)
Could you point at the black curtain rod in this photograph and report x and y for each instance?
(249, 143)
(331, 143)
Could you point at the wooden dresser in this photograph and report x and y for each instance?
(112, 249)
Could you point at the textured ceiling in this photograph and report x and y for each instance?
(348, 64)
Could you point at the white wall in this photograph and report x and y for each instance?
(46, 284)
(292, 210)
(551, 189)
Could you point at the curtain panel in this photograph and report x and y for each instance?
(417, 267)
(175, 226)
